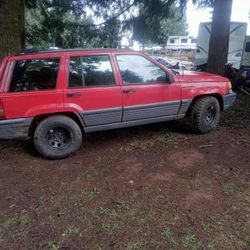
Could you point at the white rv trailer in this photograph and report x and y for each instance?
(181, 43)
(236, 43)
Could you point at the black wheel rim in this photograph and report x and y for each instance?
(58, 138)
(210, 115)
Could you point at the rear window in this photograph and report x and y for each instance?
(35, 75)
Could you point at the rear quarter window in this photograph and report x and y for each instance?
(35, 75)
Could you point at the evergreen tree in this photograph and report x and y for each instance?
(11, 26)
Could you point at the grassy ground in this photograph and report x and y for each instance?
(150, 187)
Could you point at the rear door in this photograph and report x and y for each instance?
(92, 89)
(148, 92)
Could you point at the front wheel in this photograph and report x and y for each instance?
(57, 137)
(205, 114)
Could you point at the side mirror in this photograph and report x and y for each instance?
(161, 79)
(168, 78)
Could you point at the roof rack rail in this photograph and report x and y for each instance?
(34, 50)
(51, 50)
(28, 51)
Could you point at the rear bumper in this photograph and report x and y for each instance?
(228, 100)
(15, 129)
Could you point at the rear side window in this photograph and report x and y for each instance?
(35, 75)
(90, 71)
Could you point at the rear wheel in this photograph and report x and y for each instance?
(205, 114)
(57, 137)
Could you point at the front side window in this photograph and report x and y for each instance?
(136, 69)
(90, 71)
(35, 74)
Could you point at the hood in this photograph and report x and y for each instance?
(194, 76)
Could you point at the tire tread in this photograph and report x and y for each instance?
(196, 114)
(39, 135)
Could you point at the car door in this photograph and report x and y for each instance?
(92, 90)
(148, 91)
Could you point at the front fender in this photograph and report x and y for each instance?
(191, 91)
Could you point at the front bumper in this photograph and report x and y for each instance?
(228, 100)
(15, 128)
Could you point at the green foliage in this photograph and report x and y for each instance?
(65, 24)
(157, 21)
(54, 26)
(175, 26)
(167, 232)
(70, 23)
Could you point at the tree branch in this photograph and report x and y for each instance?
(119, 14)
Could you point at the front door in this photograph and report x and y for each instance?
(148, 92)
(92, 90)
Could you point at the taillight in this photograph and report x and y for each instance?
(2, 114)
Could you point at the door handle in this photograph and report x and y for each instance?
(73, 94)
(127, 91)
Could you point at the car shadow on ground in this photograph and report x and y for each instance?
(91, 139)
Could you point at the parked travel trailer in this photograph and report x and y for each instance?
(236, 51)
(181, 43)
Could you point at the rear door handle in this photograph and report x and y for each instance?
(127, 91)
(73, 94)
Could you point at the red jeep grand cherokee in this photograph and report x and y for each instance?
(56, 96)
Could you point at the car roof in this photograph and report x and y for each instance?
(35, 51)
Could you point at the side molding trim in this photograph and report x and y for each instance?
(132, 123)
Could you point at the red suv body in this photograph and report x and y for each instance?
(100, 89)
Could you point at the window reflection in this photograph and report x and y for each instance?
(90, 71)
(136, 69)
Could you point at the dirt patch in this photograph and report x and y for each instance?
(186, 158)
(204, 196)
(200, 196)
(160, 179)
(131, 165)
(164, 176)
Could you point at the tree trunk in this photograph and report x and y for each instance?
(219, 40)
(11, 26)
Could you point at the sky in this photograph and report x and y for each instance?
(240, 13)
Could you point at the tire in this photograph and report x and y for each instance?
(205, 114)
(57, 137)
